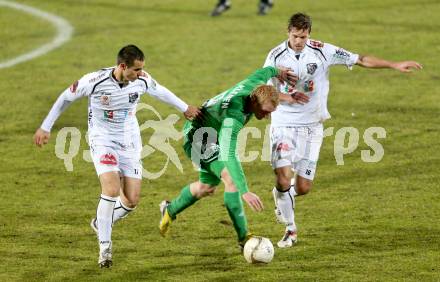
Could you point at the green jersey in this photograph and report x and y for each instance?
(223, 117)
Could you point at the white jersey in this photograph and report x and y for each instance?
(312, 66)
(112, 106)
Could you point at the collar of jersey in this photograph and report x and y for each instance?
(114, 79)
(291, 52)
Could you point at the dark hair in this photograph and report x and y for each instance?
(128, 54)
(300, 21)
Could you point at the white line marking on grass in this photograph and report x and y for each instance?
(64, 33)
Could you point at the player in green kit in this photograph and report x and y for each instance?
(211, 142)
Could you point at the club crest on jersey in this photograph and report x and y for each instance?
(105, 100)
(74, 86)
(108, 159)
(132, 97)
(311, 68)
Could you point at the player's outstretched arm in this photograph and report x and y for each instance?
(287, 76)
(79, 89)
(294, 97)
(407, 66)
(264, 74)
(374, 62)
(253, 201)
(192, 112)
(163, 94)
(228, 137)
(41, 137)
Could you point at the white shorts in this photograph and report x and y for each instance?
(297, 147)
(113, 156)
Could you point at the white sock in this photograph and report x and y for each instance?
(293, 192)
(120, 210)
(286, 204)
(104, 216)
(274, 194)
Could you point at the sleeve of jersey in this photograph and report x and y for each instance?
(261, 76)
(78, 89)
(339, 56)
(270, 63)
(163, 94)
(228, 136)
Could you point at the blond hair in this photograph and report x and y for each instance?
(265, 92)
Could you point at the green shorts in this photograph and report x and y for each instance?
(210, 170)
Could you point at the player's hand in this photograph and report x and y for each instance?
(192, 113)
(407, 66)
(287, 76)
(41, 137)
(297, 97)
(253, 201)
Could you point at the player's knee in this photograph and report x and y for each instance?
(210, 191)
(227, 180)
(110, 191)
(110, 184)
(207, 191)
(132, 203)
(226, 177)
(203, 190)
(303, 187)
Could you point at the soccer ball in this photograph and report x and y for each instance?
(258, 250)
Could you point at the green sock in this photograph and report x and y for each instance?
(184, 200)
(235, 209)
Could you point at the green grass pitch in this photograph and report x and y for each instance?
(362, 221)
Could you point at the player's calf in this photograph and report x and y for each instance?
(200, 190)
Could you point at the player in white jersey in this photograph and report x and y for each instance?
(114, 135)
(297, 123)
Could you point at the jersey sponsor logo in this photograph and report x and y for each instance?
(309, 86)
(153, 84)
(108, 114)
(316, 43)
(74, 86)
(132, 97)
(304, 87)
(108, 159)
(97, 78)
(341, 53)
(289, 89)
(283, 147)
(311, 68)
(276, 51)
(105, 100)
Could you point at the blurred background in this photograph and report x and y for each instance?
(362, 221)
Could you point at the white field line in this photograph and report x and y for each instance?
(64, 33)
